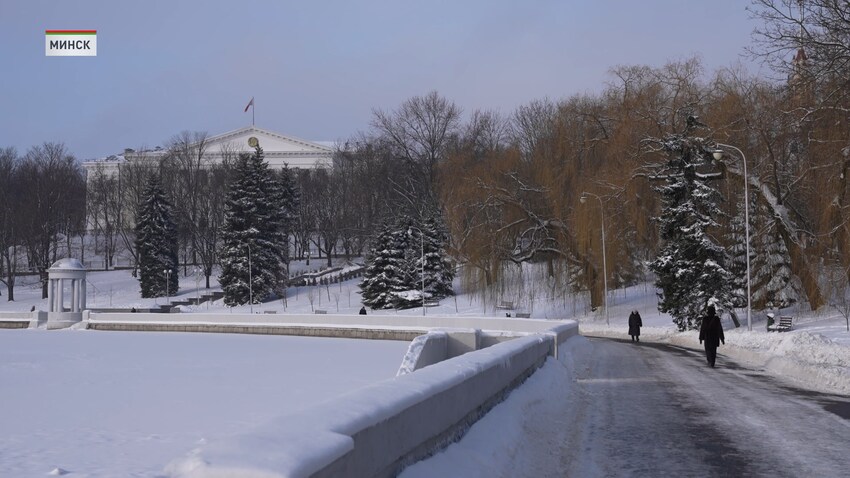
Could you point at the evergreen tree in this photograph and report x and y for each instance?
(439, 272)
(691, 266)
(387, 269)
(738, 256)
(393, 276)
(156, 242)
(772, 280)
(253, 233)
(771, 283)
(290, 201)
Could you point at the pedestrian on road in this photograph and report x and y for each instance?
(363, 310)
(711, 333)
(635, 323)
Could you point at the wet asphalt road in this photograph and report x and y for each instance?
(643, 409)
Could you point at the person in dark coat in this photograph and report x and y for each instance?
(363, 310)
(711, 333)
(634, 325)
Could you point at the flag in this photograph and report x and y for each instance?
(250, 104)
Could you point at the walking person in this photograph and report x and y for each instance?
(635, 323)
(363, 310)
(711, 333)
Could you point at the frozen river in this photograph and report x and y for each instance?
(112, 404)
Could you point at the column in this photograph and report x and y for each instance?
(82, 293)
(50, 295)
(60, 299)
(75, 295)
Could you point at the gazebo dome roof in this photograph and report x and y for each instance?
(68, 264)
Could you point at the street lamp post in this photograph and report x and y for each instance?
(167, 274)
(422, 238)
(583, 200)
(718, 155)
(197, 286)
(250, 283)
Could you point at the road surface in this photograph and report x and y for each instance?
(649, 409)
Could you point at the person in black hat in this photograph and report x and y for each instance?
(711, 333)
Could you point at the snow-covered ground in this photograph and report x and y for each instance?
(111, 404)
(48, 429)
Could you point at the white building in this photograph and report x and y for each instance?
(278, 149)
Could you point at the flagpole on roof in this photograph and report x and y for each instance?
(251, 105)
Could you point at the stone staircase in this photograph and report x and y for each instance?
(212, 296)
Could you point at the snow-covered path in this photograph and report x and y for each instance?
(659, 410)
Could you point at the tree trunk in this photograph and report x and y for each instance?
(801, 267)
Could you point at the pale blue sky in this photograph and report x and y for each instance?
(318, 68)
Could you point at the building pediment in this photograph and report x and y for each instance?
(270, 142)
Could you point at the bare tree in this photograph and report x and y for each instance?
(51, 176)
(10, 197)
(103, 200)
(420, 132)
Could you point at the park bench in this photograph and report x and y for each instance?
(523, 315)
(784, 325)
(320, 311)
(432, 303)
(505, 304)
(269, 311)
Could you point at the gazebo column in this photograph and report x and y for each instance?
(60, 295)
(50, 296)
(75, 295)
(82, 294)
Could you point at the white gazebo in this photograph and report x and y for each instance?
(64, 272)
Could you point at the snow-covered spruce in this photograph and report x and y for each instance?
(387, 274)
(254, 232)
(156, 242)
(394, 265)
(691, 265)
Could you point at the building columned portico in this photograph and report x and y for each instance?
(65, 272)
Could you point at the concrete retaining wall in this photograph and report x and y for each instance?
(396, 322)
(263, 329)
(22, 320)
(378, 430)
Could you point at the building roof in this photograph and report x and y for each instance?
(278, 149)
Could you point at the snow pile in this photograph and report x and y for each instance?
(504, 442)
(810, 359)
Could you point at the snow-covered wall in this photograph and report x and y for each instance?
(378, 430)
(418, 323)
(23, 320)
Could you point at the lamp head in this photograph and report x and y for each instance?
(718, 154)
(583, 199)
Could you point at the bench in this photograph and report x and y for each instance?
(523, 315)
(783, 326)
(320, 311)
(432, 303)
(505, 304)
(269, 311)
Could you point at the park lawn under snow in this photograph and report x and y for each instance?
(226, 385)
